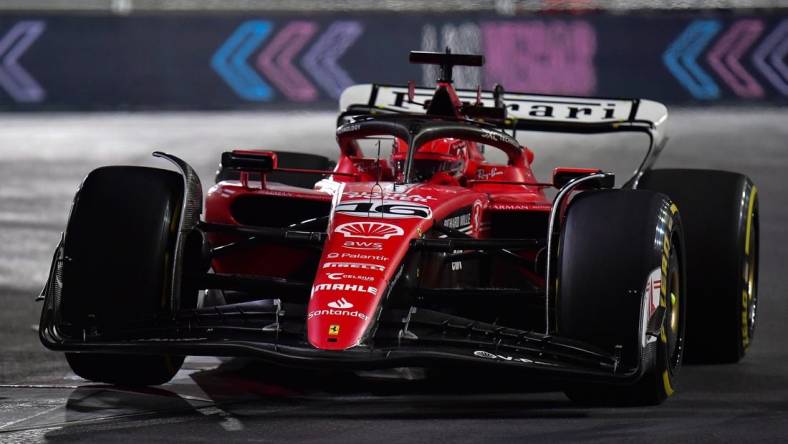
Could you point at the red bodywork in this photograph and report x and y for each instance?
(371, 224)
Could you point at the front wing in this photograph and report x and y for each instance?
(275, 332)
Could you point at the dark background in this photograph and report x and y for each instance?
(147, 61)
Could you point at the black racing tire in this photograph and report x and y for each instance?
(613, 242)
(721, 224)
(287, 159)
(118, 249)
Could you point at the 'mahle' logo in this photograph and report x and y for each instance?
(345, 287)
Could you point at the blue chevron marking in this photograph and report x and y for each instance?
(229, 61)
(681, 59)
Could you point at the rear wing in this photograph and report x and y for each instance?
(529, 112)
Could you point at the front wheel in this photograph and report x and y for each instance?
(621, 285)
(120, 244)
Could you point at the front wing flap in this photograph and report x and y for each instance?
(275, 332)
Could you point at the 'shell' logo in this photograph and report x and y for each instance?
(369, 230)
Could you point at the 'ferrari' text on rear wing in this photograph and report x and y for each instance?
(529, 112)
(572, 113)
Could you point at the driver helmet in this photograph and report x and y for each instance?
(446, 155)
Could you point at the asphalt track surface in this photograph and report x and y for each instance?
(44, 157)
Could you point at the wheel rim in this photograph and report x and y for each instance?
(673, 322)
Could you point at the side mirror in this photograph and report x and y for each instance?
(498, 96)
(562, 176)
(250, 161)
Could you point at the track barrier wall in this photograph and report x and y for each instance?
(303, 61)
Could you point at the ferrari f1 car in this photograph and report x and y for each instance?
(415, 250)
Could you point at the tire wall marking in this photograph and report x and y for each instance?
(745, 326)
(665, 257)
(668, 387)
(753, 192)
(745, 295)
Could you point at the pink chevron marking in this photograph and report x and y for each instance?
(552, 57)
(725, 56)
(276, 61)
(774, 48)
(321, 61)
(14, 79)
(778, 56)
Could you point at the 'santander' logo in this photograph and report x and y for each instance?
(333, 312)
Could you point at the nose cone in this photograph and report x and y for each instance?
(358, 262)
(368, 236)
(345, 297)
(338, 324)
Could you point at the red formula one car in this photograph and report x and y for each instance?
(414, 250)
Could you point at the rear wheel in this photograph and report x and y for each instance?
(621, 274)
(720, 214)
(119, 248)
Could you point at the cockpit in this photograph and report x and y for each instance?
(426, 149)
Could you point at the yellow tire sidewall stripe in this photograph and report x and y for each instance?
(753, 194)
(666, 383)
